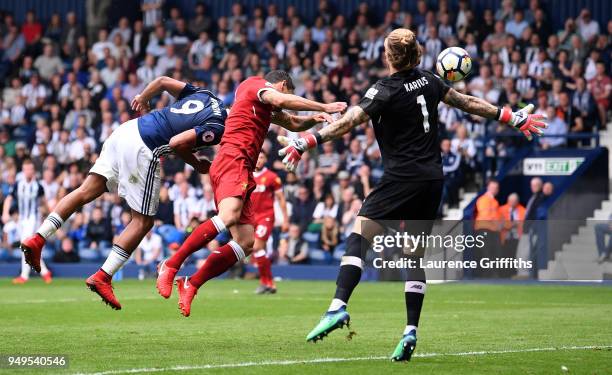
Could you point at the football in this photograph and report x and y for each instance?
(453, 64)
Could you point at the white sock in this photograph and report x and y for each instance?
(52, 223)
(336, 304)
(238, 251)
(409, 328)
(25, 268)
(116, 259)
(43, 267)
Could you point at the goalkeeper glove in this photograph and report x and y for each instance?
(523, 120)
(294, 149)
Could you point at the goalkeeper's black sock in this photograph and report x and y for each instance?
(350, 270)
(414, 293)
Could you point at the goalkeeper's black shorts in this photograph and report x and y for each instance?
(403, 201)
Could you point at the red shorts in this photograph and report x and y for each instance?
(231, 177)
(263, 227)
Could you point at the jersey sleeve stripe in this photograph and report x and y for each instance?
(261, 90)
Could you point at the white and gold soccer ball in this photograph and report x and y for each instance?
(453, 64)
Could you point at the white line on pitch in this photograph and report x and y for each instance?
(332, 360)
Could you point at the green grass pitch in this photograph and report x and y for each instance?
(465, 328)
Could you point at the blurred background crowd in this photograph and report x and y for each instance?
(66, 83)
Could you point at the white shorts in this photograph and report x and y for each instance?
(27, 226)
(130, 168)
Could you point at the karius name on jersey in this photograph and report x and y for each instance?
(421, 82)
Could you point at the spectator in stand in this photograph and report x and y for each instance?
(32, 30)
(451, 163)
(99, 231)
(512, 215)
(48, 63)
(303, 207)
(329, 234)
(587, 27)
(324, 209)
(583, 100)
(184, 204)
(603, 249)
(557, 129)
(601, 87)
(293, 249)
(530, 230)
(148, 253)
(67, 253)
(517, 25)
(329, 161)
(487, 224)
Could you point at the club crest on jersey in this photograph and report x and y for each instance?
(133, 179)
(371, 93)
(208, 136)
(244, 185)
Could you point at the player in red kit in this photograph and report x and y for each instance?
(268, 187)
(258, 102)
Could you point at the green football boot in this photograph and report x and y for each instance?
(404, 349)
(331, 320)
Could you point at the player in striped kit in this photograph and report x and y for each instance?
(28, 197)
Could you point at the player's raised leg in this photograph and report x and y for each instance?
(351, 267)
(93, 186)
(222, 259)
(199, 238)
(128, 240)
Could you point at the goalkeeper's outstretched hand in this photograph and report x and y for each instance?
(294, 149)
(523, 120)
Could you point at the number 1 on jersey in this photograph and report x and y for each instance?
(421, 101)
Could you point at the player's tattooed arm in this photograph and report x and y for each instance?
(293, 150)
(353, 117)
(296, 123)
(523, 120)
(470, 104)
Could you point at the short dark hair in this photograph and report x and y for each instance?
(276, 76)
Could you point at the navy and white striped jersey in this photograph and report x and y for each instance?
(26, 198)
(195, 108)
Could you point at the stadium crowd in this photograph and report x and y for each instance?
(66, 85)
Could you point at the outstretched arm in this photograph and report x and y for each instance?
(140, 102)
(352, 118)
(470, 104)
(296, 123)
(294, 149)
(297, 103)
(522, 120)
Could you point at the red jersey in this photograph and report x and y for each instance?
(268, 183)
(248, 120)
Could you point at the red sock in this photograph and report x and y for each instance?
(265, 270)
(201, 236)
(217, 262)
